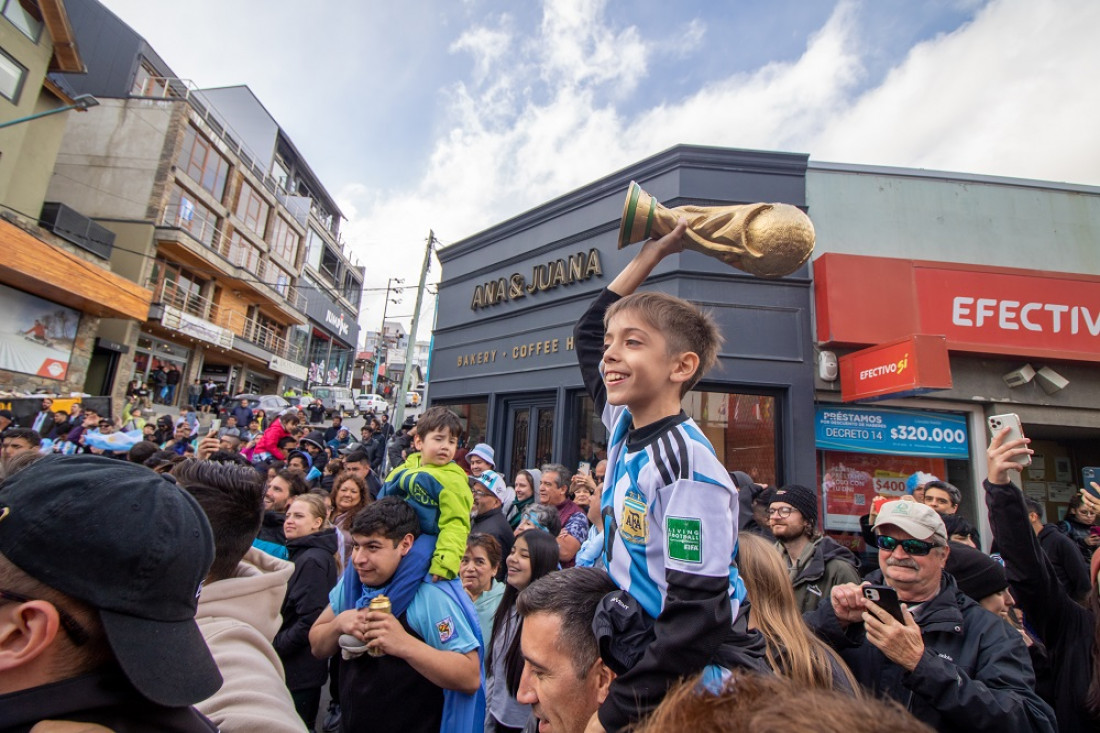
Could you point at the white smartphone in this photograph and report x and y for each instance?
(1011, 420)
(215, 425)
(584, 467)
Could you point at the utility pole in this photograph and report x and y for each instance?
(381, 345)
(399, 405)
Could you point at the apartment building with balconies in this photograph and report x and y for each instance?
(214, 210)
(56, 284)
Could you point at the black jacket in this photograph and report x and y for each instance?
(1077, 532)
(831, 564)
(975, 674)
(1069, 567)
(1067, 629)
(493, 522)
(104, 697)
(306, 596)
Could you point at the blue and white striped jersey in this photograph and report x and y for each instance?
(668, 505)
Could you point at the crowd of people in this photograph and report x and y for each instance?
(220, 581)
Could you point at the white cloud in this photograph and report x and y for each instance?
(1004, 94)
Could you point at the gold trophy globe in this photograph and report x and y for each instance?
(766, 240)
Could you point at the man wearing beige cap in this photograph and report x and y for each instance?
(954, 665)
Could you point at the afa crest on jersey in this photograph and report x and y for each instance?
(633, 525)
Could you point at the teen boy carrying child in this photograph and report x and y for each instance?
(437, 489)
(668, 505)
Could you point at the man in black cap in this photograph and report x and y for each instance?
(815, 563)
(7, 419)
(398, 449)
(100, 567)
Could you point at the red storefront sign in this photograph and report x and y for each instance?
(902, 368)
(989, 310)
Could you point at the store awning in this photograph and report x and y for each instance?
(55, 274)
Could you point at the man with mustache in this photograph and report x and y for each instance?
(953, 664)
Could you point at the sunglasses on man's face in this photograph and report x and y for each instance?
(911, 547)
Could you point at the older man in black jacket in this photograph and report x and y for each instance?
(954, 665)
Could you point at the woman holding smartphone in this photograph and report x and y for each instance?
(1079, 526)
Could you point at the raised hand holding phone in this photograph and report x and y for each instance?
(1004, 454)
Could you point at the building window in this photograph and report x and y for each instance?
(185, 212)
(12, 75)
(330, 265)
(242, 254)
(252, 209)
(203, 163)
(180, 288)
(314, 246)
(25, 16)
(353, 289)
(284, 240)
(741, 427)
(474, 416)
(282, 280)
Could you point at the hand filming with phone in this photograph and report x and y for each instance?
(1008, 448)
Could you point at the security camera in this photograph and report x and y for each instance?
(1019, 377)
(826, 366)
(1050, 380)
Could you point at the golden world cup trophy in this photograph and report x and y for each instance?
(766, 240)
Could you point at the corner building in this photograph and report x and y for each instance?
(503, 351)
(887, 354)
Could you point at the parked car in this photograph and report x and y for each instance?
(337, 400)
(271, 404)
(375, 403)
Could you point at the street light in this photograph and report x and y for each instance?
(382, 332)
(81, 103)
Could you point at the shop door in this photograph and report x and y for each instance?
(529, 435)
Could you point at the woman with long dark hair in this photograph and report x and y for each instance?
(534, 555)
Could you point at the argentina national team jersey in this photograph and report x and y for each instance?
(667, 505)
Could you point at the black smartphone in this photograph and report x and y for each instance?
(1092, 481)
(886, 598)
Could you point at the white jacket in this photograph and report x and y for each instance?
(238, 617)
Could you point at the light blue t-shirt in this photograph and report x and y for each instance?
(433, 615)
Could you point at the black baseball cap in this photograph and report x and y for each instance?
(147, 546)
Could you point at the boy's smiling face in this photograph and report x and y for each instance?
(639, 372)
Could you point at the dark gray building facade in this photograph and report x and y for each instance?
(503, 355)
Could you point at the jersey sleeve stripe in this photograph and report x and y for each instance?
(685, 455)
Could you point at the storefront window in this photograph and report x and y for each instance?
(741, 427)
(474, 417)
(868, 452)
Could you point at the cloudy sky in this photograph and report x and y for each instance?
(454, 115)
